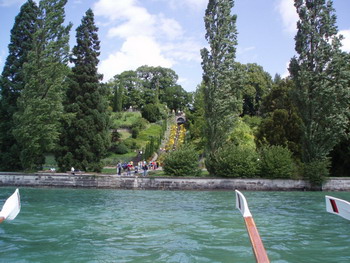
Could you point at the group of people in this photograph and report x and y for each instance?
(140, 167)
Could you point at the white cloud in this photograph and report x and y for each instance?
(147, 39)
(286, 71)
(289, 16)
(170, 28)
(133, 27)
(135, 52)
(346, 40)
(3, 55)
(185, 50)
(115, 9)
(196, 5)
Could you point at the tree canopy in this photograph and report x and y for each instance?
(37, 121)
(321, 79)
(85, 135)
(13, 82)
(148, 85)
(221, 75)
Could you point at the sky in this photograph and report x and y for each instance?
(171, 33)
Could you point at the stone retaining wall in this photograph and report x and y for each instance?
(337, 184)
(162, 183)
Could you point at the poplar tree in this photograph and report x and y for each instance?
(118, 99)
(12, 82)
(222, 94)
(321, 83)
(37, 121)
(85, 137)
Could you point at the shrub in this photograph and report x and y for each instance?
(242, 135)
(182, 162)
(119, 148)
(135, 132)
(115, 136)
(140, 123)
(131, 144)
(234, 161)
(281, 127)
(316, 172)
(151, 112)
(276, 162)
(137, 126)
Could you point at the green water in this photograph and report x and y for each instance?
(84, 225)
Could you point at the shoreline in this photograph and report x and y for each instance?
(104, 181)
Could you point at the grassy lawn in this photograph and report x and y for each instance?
(50, 162)
(153, 129)
(109, 170)
(113, 159)
(124, 135)
(124, 119)
(141, 141)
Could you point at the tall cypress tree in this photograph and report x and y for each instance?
(12, 82)
(118, 98)
(37, 121)
(222, 95)
(321, 81)
(85, 138)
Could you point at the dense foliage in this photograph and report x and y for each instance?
(148, 85)
(231, 160)
(281, 124)
(196, 120)
(257, 84)
(182, 162)
(151, 112)
(37, 120)
(340, 156)
(321, 79)
(85, 134)
(221, 75)
(276, 162)
(316, 172)
(13, 82)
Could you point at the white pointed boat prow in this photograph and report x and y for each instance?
(11, 207)
(338, 207)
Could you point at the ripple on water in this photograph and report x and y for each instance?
(78, 225)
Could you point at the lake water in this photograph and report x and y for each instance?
(85, 225)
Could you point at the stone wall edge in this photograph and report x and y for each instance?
(163, 183)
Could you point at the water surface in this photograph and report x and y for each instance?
(85, 225)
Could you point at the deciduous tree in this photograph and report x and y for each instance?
(37, 121)
(128, 91)
(257, 84)
(321, 81)
(222, 92)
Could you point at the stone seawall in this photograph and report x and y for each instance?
(162, 183)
